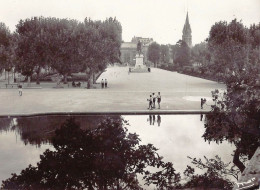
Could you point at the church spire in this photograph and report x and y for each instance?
(186, 32)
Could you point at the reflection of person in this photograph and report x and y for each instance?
(159, 100)
(201, 117)
(159, 120)
(153, 119)
(150, 119)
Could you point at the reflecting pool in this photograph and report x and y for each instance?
(24, 139)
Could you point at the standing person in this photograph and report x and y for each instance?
(150, 100)
(154, 99)
(105, 83)
(20, 89)
(102, 83)
(159, 100)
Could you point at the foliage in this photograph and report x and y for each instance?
(99, 44)
(67, 45)
(165, 54)
(153, 53)
(235, 118)
(182, 56)
(216, 176)
(5, 48)
(230, 49)
(107, 157)
(31, 48)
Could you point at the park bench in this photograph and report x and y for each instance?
(76, 84)
(12, 85)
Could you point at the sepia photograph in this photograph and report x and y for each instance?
(130, 94)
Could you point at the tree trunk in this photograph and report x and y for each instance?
(29, 81)
(8, 77)
(37, 78)
(237, 162)
(65, 79)
(93, 78)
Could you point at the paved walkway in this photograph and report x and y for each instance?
(126, 92)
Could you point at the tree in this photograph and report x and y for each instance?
(229, 47)
(100, 45)
(6, 49)
(165, 54)
(235, 115)
(106, 157)
(154, 53)
(63, 46)
(182, 56)
(217, 174)
(32, 48)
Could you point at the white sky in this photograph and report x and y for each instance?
(161, 20)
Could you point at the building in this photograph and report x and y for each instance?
(128, 52)
(186, 32)
(144, 41)
(129, 49)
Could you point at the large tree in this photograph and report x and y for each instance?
(182, 55)
(165, 54)
(107, 157)
(6, 49)
(235, 115)
(229, 47)
(32, 48)
(154, 53)
(100, 44)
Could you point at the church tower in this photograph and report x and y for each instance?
(186, 32)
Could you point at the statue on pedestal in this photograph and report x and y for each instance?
(139, 47)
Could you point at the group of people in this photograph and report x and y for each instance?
(202, 102)
(104, 83)
(152, 100)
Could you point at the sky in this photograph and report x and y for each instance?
(162, 20)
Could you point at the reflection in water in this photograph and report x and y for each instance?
(40, 130)
(106, 157)
(152, 120)
(177, 138)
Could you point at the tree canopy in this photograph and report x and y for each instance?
(65, 45)
(182, 55)
(5, 48)
(154, 53)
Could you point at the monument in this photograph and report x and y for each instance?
(140, 67)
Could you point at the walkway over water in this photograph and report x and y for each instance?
(125, 93)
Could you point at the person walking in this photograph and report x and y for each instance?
(102, 83)
(159, 100)
(20, 89)
(154, 99)
(105, 83)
